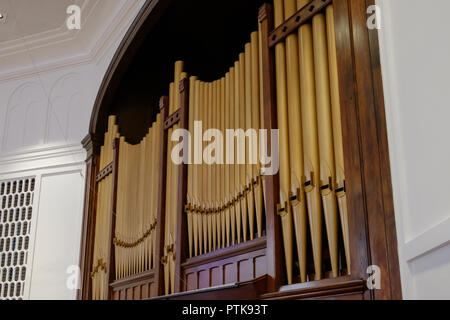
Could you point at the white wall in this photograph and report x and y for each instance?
(415, 55)
(45, 108)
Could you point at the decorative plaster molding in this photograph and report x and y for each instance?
(97, 43)
(48, 157)
(48, 37)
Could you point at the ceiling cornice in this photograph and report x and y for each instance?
(103, 22)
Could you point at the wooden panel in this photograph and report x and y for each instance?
(145, 291)
(245, 270)
(324, 289)
(203, 279)
(191, 281)
(137, 293)
(116, 295)
(230, 265)
(260, 264)
(249, 290)
(129, 294)
(216, 276)
(151, 288)
(230, 273)
(123, 295)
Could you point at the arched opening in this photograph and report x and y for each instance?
(207, 35)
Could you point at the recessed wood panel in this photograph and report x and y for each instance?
(203, 279)
(230, 273)
(137, 293)
(260, 264)
(216, 276)
(191, 283)
(144, 291)
(130, 294)
(245, 270)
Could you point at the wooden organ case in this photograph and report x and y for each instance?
(156, 229)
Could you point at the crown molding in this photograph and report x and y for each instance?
(62, 48)
(42, 158)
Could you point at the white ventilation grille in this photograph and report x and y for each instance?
(16, 209)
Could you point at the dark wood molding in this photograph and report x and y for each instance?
(225, 253)
(327, 288)
(385, 170)
(92, 143)
(173, 119)
(293, 23)
(181, 236)
(275, 257)
(111, 262)
(246, 290)
(350, 133)
(106, 171)
(88, 228)
(158, 289)
(369, 192)
(133, 281)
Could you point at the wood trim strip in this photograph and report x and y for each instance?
(374, 162)
(106, 171)
(321, 288)
(181, 237)
(385, 170)
(225, 253)
(302, 16)
(158, 289)
(110, 272)
(275, 255)
(88, 233)
(173, 119)
(134, 280)
(351, 141)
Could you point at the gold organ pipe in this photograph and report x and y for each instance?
(284, 172)
(227, 171)
(261, 109)
(248, 125)
(237, 176)
(206, 226)
(242, 175)
(212, 170)
(255, 64)
(221, 165)
(232, 168)
(310, 140)
(156, 149)
(168, 224)
(326, 150)
(195, 171)
(190, 191)
(202, 172)
(296, 142)
(337, 131)
(100, 283)
(217, 173)
(211, 186)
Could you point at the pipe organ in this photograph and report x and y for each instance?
(212, 219)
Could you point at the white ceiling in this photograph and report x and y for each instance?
(24, 18)
(34, 36)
